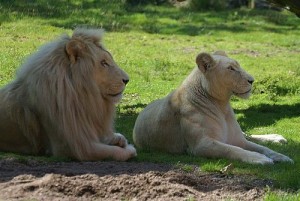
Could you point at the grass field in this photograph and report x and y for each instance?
(157, 47)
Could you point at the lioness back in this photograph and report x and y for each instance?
(150, 127)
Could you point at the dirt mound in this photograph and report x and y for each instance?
(120, 181)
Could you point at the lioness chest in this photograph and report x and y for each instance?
(206, 119)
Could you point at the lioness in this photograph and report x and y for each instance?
(198, 118)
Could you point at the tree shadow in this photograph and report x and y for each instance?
(125, 120)
(117, 16)
(266, 114)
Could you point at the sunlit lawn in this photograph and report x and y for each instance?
(157, 46)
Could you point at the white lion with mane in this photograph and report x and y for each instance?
(62, 102)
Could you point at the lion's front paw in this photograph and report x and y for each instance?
(257, 158)
(132, 151)
(119, 140)
(126, 153)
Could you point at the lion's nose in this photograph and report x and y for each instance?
(125, 81)
(251, 81)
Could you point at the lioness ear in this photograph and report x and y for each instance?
(221, 53)
(74, 49)
(205, 61)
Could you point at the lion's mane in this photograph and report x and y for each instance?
(56, 101)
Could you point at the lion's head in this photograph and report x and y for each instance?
(110, 79)
(223, 76)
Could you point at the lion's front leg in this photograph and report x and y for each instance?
(275, 156)
(118, 139)
(101, 151)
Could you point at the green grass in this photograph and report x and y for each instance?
(281, 196)
(157, 46)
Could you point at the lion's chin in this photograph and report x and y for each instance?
(116, 98)
(243, 95)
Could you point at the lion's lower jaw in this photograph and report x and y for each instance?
(116, 99)
(243, 95)
(113, 98)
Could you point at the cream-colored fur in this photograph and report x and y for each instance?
(198, 118)
(62, 102)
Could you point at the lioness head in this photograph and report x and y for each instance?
(85, 47)
(223, 76)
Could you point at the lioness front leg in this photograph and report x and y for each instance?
(275, 156)
(208, 147)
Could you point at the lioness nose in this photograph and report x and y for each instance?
(250, 81)
(125, 81)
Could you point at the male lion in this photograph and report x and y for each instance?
(62, 102)
(197, 117)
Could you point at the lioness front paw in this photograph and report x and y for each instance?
(277, 157)
(257, 158)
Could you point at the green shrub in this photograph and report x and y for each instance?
(143, 2)
(208, 5)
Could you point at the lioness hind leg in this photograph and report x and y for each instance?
(216, 149)
(275, 156)
(275, 138)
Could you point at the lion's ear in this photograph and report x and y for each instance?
(221, 53)
(205, 61)
(74, 49)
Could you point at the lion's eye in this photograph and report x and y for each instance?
(104, 63)
(231, 68)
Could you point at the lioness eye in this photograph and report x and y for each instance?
(231, 68)
(104, 63)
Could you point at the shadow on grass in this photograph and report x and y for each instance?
(266, 114)
(117, 16)
(125, 120)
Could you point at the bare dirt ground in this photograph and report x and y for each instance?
(121, 181)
